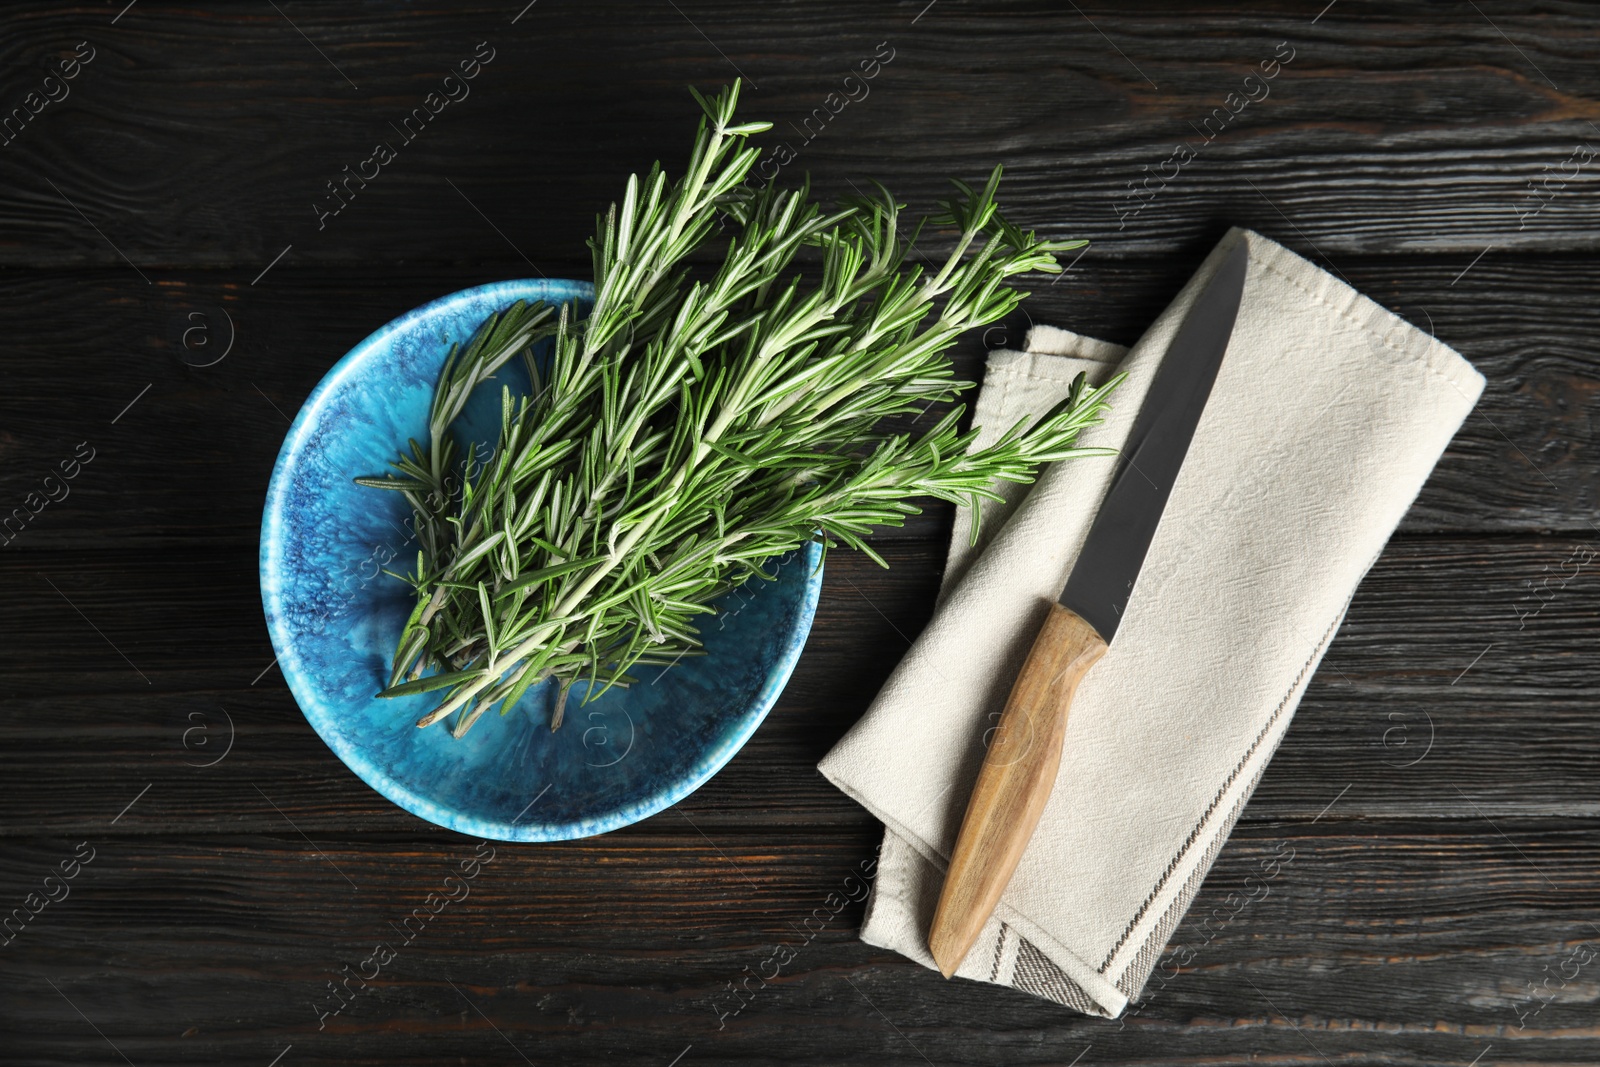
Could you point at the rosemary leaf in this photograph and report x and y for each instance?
(694, 425)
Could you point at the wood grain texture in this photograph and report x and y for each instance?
(1383, 942)
(1014, 783)
(207, 133)
(168, 298)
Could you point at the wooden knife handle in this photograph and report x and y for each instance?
(1018, 773)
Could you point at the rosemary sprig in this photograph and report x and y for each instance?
(686, 431)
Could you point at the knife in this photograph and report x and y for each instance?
(1024, 754)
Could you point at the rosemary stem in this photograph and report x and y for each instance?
(686, 431)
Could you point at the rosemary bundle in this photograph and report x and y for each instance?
(688, 429)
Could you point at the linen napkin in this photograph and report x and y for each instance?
(1326, 417)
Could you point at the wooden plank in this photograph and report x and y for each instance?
(1379, 941)
(1462, 677)
(209, 134)
(87, 347)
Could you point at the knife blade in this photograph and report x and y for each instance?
(1019, 769)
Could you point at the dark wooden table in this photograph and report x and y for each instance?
(172, 292)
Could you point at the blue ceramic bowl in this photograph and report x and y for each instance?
(335, 620)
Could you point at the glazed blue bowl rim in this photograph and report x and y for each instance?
(319, 716)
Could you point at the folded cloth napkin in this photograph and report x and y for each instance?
(1325, 419)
